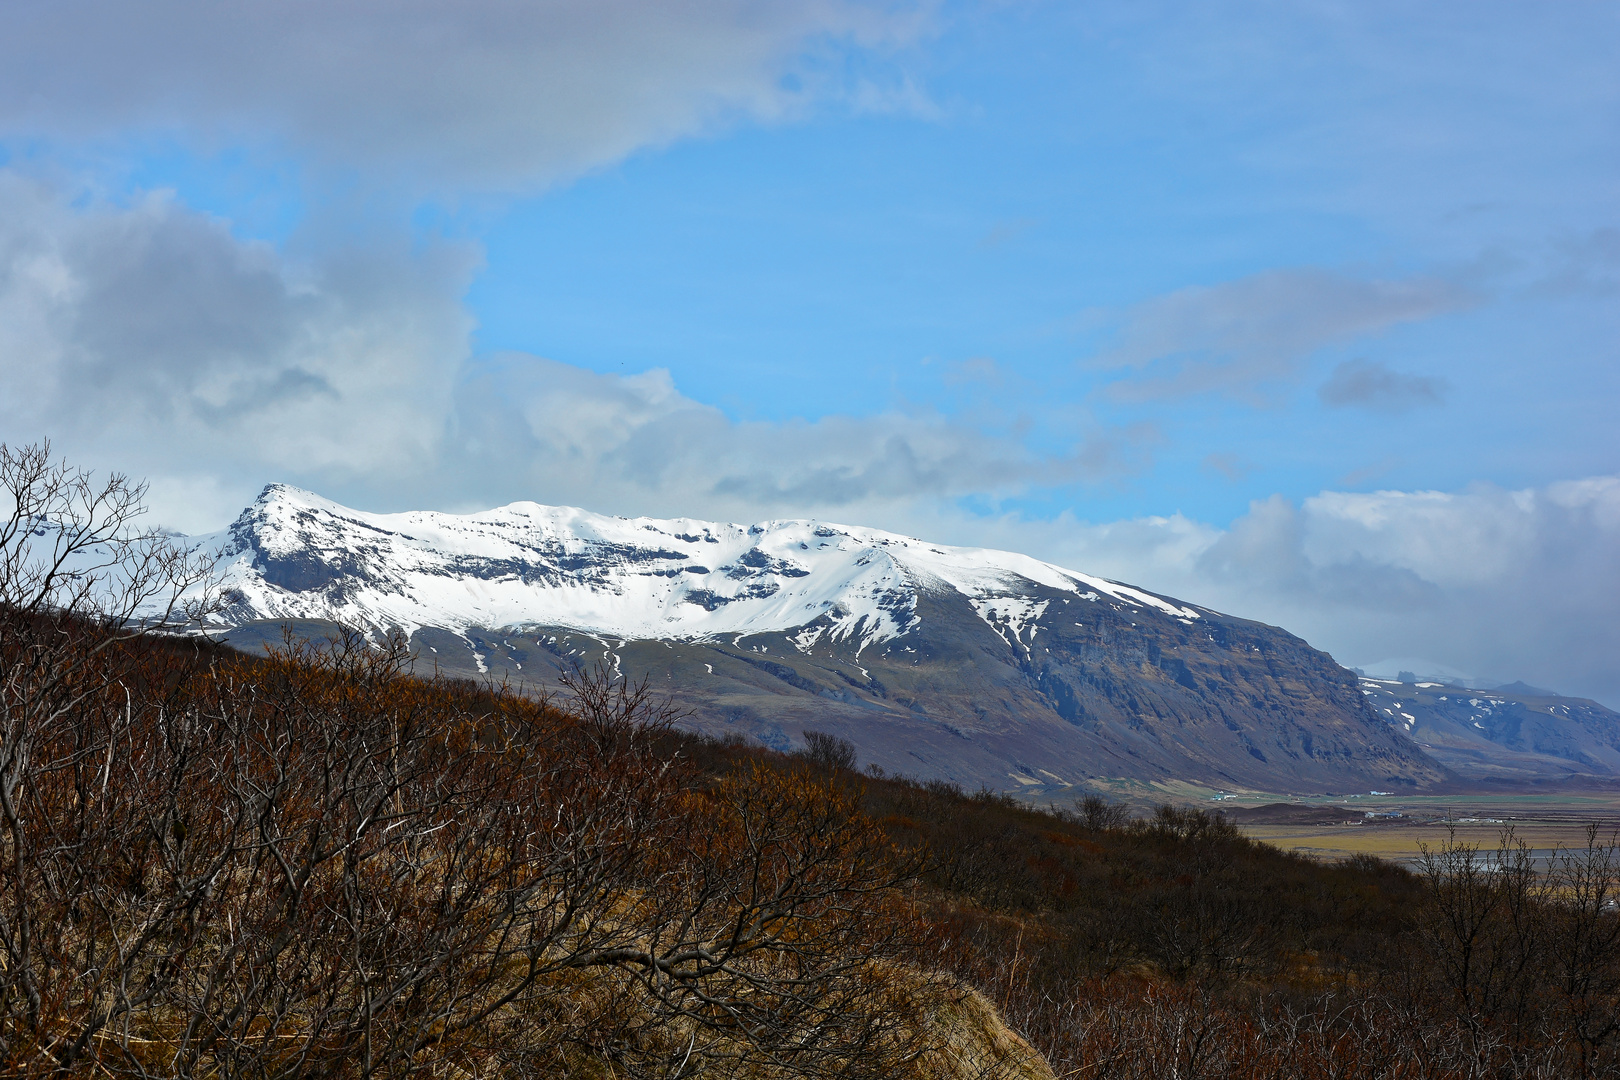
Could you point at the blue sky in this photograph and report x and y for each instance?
(852, 263)
(1306, 311)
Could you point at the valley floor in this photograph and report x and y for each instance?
(1395, 827)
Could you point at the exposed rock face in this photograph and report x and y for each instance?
(978, 666)
(1229, 703)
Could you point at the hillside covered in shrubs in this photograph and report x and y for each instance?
(316, 862)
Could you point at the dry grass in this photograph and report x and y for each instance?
(1400, 843)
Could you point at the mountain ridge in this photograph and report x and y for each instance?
(573, 565)
(973, 665)
(980, 666)
(1514, 733)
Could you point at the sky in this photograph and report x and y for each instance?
(1303, 311)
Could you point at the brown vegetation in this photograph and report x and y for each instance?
(1176, 947)
(316, 864)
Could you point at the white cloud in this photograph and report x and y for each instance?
(485, 93)
(150, 338)
(1504, 584)
(638, 443)
(1451, 540)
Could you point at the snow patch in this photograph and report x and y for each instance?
(1009, 615)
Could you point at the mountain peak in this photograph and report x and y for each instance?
(277, 492)
(965, 663)
(294, 554)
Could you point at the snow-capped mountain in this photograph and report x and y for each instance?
(980, 666)
(295, 555)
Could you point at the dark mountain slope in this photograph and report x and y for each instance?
(1130, 693)
(1512, 733)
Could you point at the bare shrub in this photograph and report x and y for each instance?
(317, 864)
(829, 751)
(1096, 812)
(78, 580)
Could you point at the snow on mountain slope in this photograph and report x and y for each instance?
(295, 555)
(959, 663)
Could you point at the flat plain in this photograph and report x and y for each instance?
(1342, 827)
(1395, 827)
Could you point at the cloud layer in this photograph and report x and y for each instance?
(638, 441)
(1500, 584)
(1234, 337)
(485, 93)
(150, 336)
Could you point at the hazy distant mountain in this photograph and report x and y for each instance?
(980, 666)
(1515, 732)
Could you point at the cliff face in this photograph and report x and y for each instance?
(978, 666)
(1064, 700)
